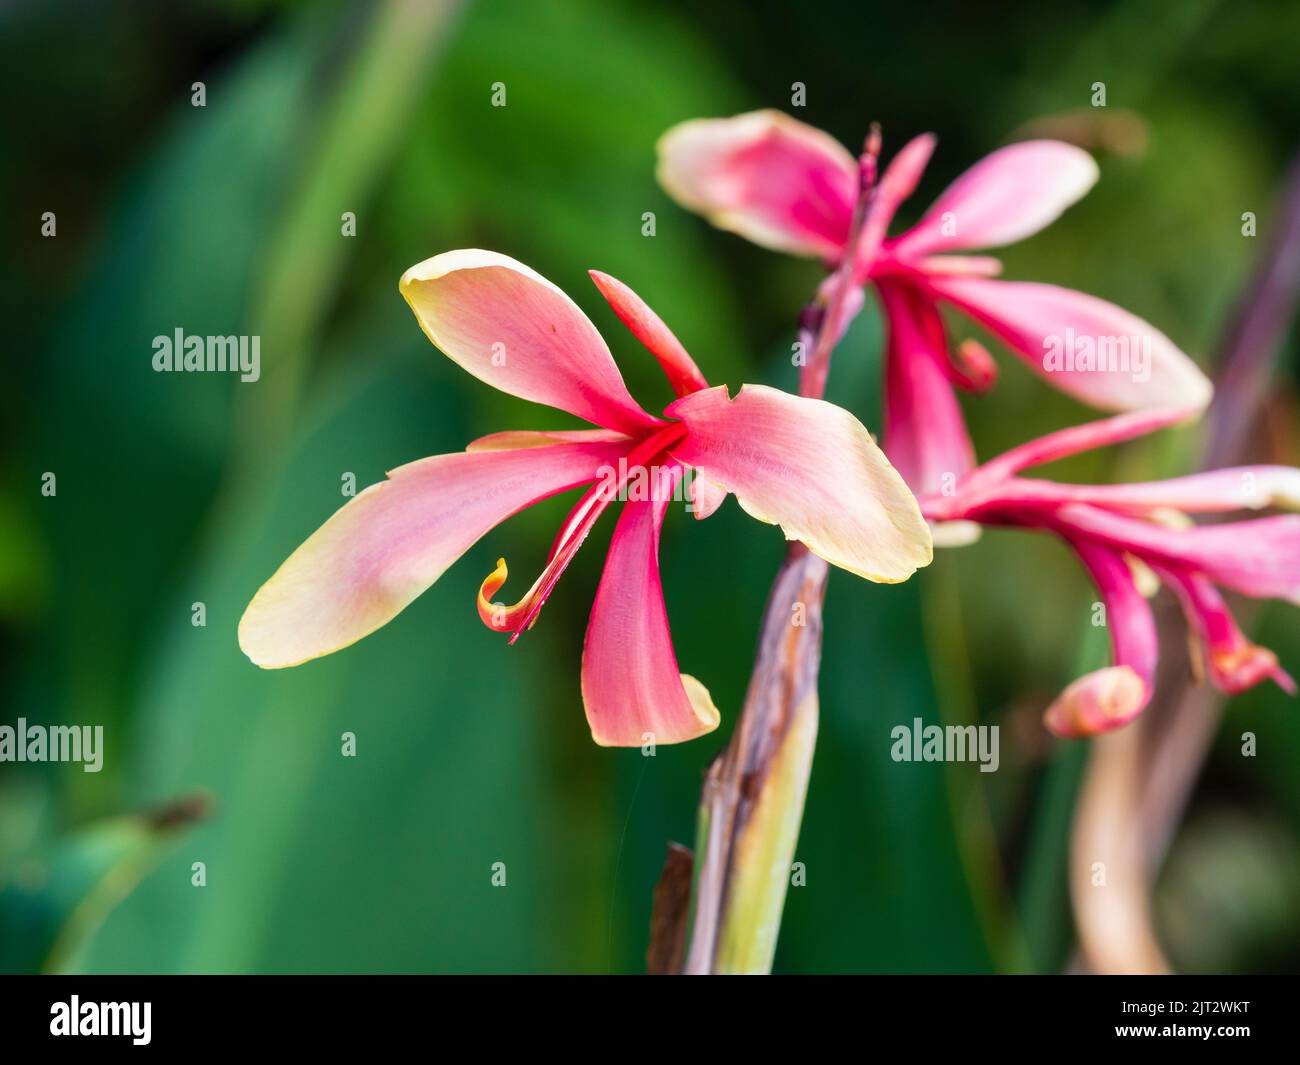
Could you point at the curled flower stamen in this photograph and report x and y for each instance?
(575, 529)
(498, 616)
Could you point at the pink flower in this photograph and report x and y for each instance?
(790, 187)
(803, 464)
(1131, 535)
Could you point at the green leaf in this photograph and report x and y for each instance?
(52, 901)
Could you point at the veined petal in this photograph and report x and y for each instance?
(1097, 352)
(1235, 664)
(1006, 196)
(925, 433)
(631, 686)
(811, 468)
(1109, 698)
(1259, 557)
(766, 176)
(649, 328)
(510, 327)
(387, 545)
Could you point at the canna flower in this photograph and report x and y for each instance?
(1131, 537)
(803, 464)
(790, 187)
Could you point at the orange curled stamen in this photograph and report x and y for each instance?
(497, 616)
(580, 521)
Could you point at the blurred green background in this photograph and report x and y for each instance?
(177, 489)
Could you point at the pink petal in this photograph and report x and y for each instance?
(1109, 698)
(1097, 702)
(649, 328)
(387, 545)
(1078, 438)
(766, 176)
(897, 183)
(1067, 335)
(1129, 620)
(612, 481)
(1219, 491)
(811, 468)
(1003, 198)
(925, 433)
(1259, 558)
(1235, 664)
(705, 497)
(510, 327)
(631, 686)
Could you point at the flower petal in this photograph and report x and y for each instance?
(1078, 438)
(1259, 557)
(1097, 702)
(631, 687)
(515, 439)
(1006, 196)
(1109, 698)
(704, 496)
(811, 468)
(387, 545)
(1088, 348)
(510, 327)
(897, 183)
(649, 328)
(1215, 492)
(1235, 664)
(766, 176)
(630, 476)
(925, 433)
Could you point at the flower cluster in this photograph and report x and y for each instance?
(790, 187)
(795, 461)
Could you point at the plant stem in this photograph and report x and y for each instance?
(753, 797)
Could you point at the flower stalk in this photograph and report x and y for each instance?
(752, 801)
